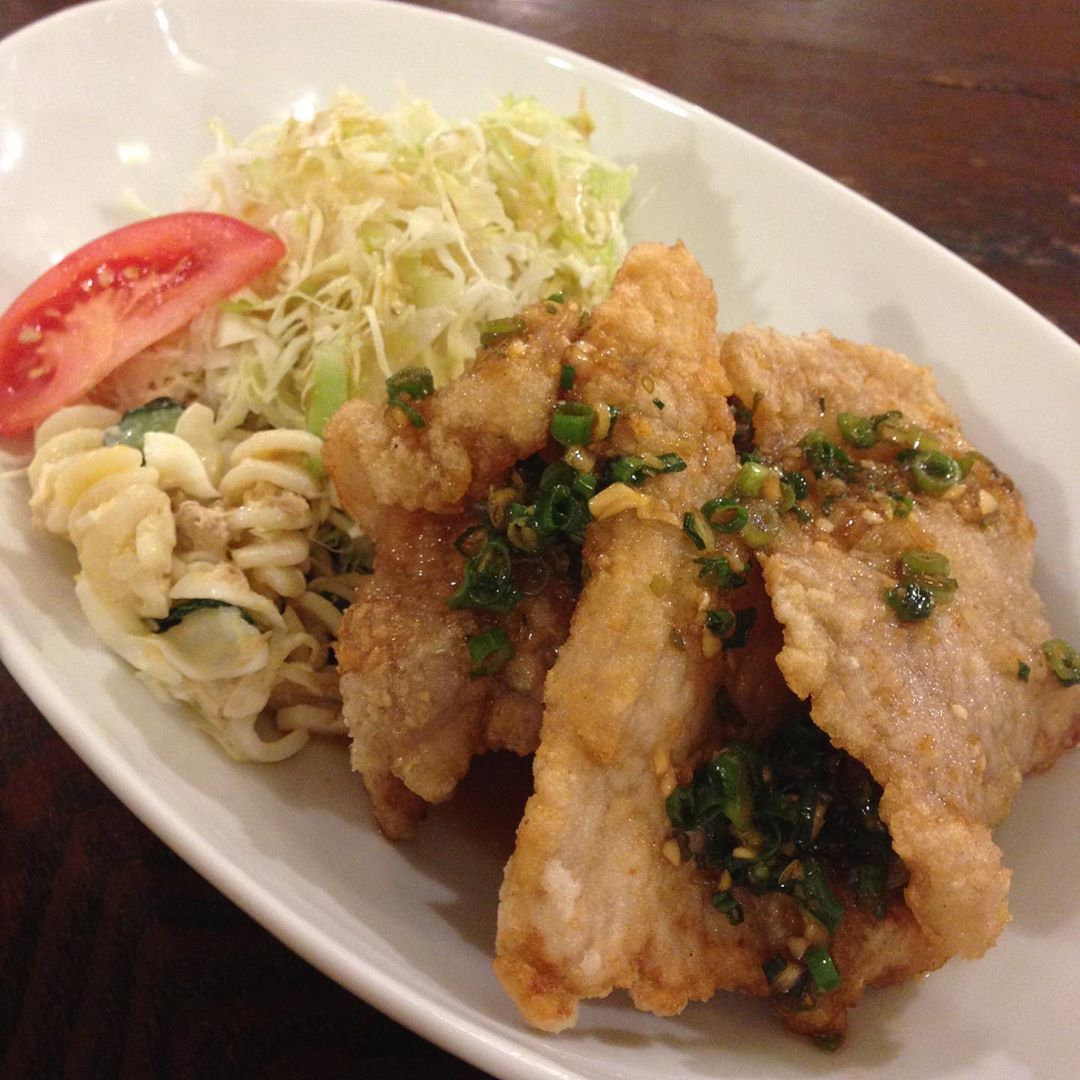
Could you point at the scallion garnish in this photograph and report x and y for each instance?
(499, 328)
(566, 377)
(671, 463)
(822, 968)
(902, 504)
(584, 485)
(796, 816)
(726, 903)
(633, 470)
(724, 515)
(1023, 671)
(1064, 661)
(813, 892)
(797, 482)
(720, 621)
(751, 478)
(933, 471)
(409, 385)
(559, 510)
(773, 967)
(718, 570)
(857, 430)
(489, 651)
(572, 423)
(692, 528)
(825, 458)
(930, 569)
(487, 583)
(762, 524)
(744, 623)
(658, 403)
(911, 601)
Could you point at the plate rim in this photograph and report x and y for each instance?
(487, 1047)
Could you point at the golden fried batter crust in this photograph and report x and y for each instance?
(935, 709)
(590, 902)
(415, 713)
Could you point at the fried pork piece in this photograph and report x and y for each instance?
(415, 713)
(934, 708)
(475, 428)
(591, 900)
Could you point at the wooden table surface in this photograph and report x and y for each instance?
(962, 118)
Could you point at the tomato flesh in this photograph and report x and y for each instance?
(114, 297)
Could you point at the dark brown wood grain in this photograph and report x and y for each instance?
(118, 960)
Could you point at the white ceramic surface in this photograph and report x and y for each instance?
(116, 96)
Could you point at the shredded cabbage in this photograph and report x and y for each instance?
(405, 234)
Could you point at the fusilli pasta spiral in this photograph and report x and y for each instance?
(200, 565)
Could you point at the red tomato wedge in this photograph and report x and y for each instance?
(114, 297)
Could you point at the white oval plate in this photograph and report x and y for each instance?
(116, 96)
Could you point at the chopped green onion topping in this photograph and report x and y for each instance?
(966, 461)
(658, 403)
(929, 569)
(559, 510)
(744, 423)
(1064, 661)
(178, 612)
(934, 472)
(797, 482)
(744, 623)
(572, 423)
(726, 903)
(822, 968)
(762, 525)
(161, 414)
(724, 515)
(719, 571)
(752, 477)
(469, 542)
(857, 430)
(813, 892)
(864, 431)
(720, 621)
(489, 651)
(825, 458)
(556, 298)
(500, 328)
(924, 582)
(910, 436)
(1023, 671)
(672, 463)
(902, 504)
(633, 471)
(566, 377)
(911, 601)
(773, 967)
(793, 815)
(487, 584)
(690, 527)
(584, 485)
(409, 385)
